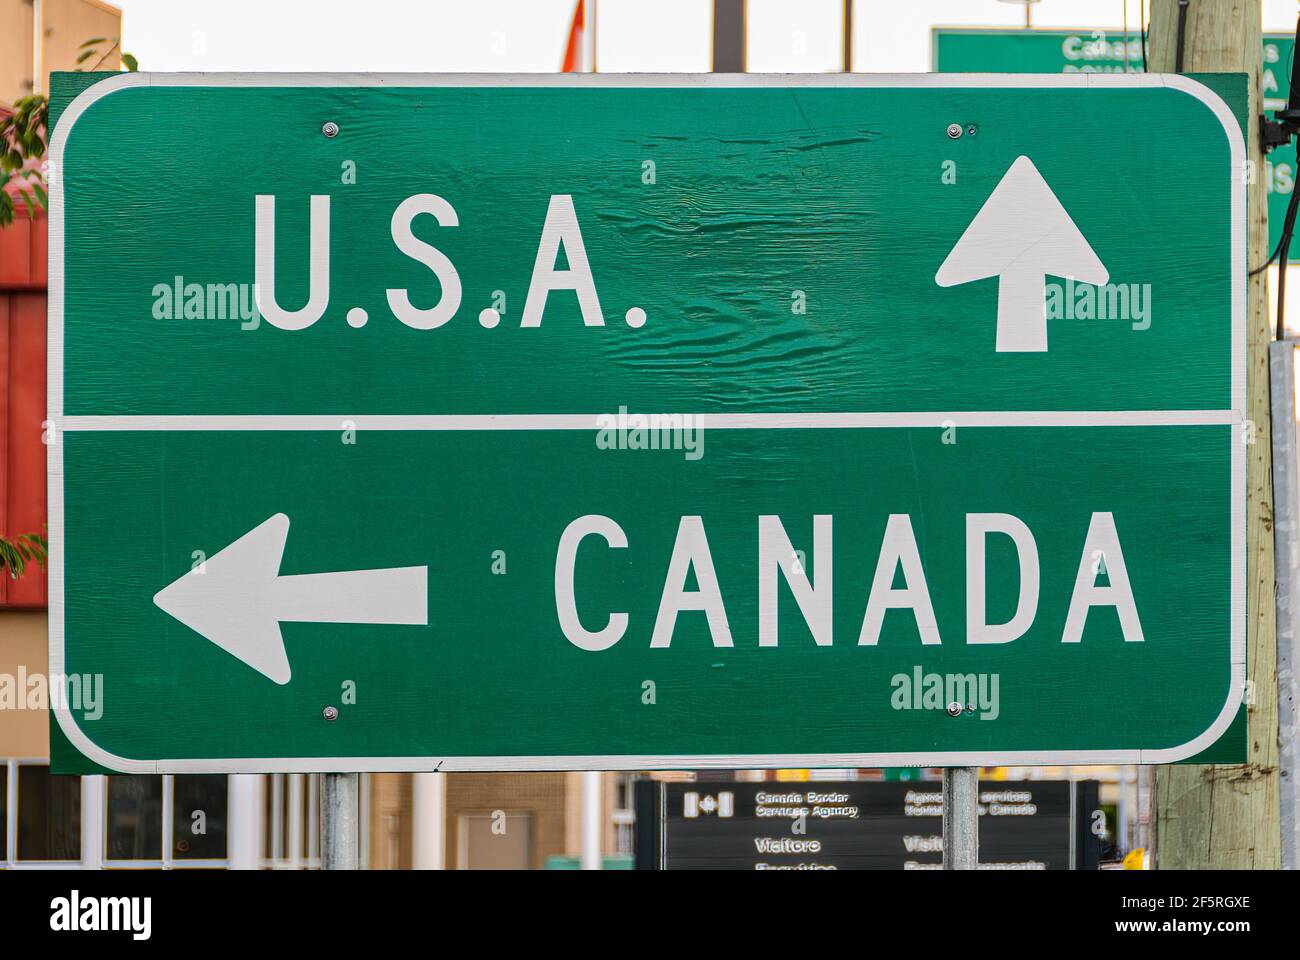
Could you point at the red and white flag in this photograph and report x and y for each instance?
(578, 56)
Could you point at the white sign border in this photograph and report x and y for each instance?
(58, 424)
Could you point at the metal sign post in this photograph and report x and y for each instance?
(961, 836)
(338, 821)
(1286, 506)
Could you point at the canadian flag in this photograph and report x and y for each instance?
(578, 55)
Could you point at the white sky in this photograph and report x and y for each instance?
(529, 35)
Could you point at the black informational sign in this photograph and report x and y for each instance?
(860, 825)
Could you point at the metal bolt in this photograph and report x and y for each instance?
(972, 130)
(954, 130)
(331, 713)
(970, 708)
(330, 129)
(954, 709)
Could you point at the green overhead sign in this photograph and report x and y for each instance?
(599, 422)
(979, 50)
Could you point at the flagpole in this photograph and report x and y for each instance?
(848, 36)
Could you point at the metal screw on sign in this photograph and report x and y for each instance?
(331, 713)
(330, 129)
(954, 130)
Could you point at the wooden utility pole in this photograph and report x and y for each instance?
(1228, 816)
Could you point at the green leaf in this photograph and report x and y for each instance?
(92, 42)
(130, 62)
(86, 55)
(41, 196)
(36, 543)
(12, 558)
(23, 549)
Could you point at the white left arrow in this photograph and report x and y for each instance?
(237, 598)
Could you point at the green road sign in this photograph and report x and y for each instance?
(612, 422)
(976, 50)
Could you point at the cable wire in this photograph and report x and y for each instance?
(1142, 22)
(1283, 249)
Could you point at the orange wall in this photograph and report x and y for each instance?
(23, 733)
(68, 24)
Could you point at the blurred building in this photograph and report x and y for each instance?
(37, 36)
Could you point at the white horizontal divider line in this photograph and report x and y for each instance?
(594, 421)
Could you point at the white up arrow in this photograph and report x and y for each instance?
(237, 598)
(1021, 234)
